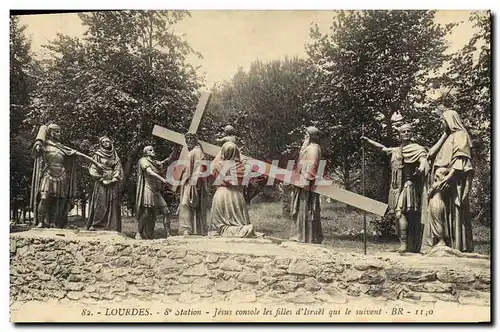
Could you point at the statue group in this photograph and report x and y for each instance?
(428, 195)
(429, 189)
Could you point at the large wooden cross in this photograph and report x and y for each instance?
(334, 192)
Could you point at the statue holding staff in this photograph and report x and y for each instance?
(408, 193)
(53, 185)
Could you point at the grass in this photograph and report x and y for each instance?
(342, 228)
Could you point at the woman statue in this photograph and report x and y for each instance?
(105, 205)
(305, 206)
(229, 214)
(451, 178)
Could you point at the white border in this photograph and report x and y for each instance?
(193, 5)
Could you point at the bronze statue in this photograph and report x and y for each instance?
(53, 185)
(229, 214)
(407, 188)
(451, 177)
(148, 199)
(193, 206)
(229, 135)
(305, 208)
(105, 204)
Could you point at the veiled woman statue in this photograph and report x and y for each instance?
(229, 214)
(451, 178)
(105, 207)
(305, 205)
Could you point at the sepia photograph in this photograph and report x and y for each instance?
(305, 166)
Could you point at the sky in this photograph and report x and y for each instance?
(230, 39)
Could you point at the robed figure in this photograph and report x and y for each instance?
(229, 213)
(305, 209)
(148, 198)
(408, 191)
(105, 204)
(193, 208)
(53, 185)
(451, 177)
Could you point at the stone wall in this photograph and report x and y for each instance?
(72, 265)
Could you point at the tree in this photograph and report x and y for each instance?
(265, 105)
(22, 83)
(371, 65)
(467, 87)
(127, 73)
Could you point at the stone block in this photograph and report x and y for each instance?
(432, 287)
(231, 265)
(402, 274)
(225, 286)
(196, 270)
(451, 276)
(248, 277)
(301, 267)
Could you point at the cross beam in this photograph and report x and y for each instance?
(336, 193)
(193, 128)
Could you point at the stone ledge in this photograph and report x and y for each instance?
(81, 265)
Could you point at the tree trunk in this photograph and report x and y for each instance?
(127, 169)
(84, 207)
(346, 174)
(15, 211)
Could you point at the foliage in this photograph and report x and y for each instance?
(23, 71)
(384, 227)
(371, 65)
(468, 85)
(126, 74)
(265, 106)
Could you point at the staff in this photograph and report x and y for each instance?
(363, 182)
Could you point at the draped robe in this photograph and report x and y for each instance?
(305, 211)
(194, 195)
(449, 212)
(229, 214)
(105, 205)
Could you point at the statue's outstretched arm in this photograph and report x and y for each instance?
(374, 143)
